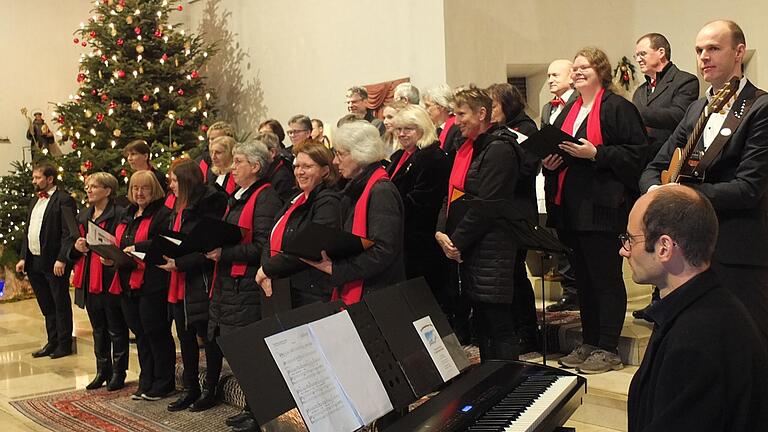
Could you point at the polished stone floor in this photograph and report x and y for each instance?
(21, 376)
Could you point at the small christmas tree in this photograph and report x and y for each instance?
(15, 192)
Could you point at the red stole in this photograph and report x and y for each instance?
(444, 133)
(406, 155)
(204, 168)
(170, 200)
(352, 292)
(276, 239)
(594, 133)
(460, 167)
(177, 285)
(137, 275)
(230, 186)
(94, 266)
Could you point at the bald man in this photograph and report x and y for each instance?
(736, 180)
(561, 86)
(705, 367)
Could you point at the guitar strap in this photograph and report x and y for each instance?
(732, 122)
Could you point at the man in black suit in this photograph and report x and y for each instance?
(736, 181)
(44, 257)
(662, 99)
(705, 367)
(357, 105)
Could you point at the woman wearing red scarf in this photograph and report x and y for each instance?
(437, 103)
(317, 203)
(486, 169)
(92, 280)
(372, 209)
(190, 280)
(220, 150)
(144, 288)
(588, 202)
(235, 298)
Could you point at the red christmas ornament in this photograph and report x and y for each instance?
(145, 98)
(121, 3)
(76, 40)
(80, 77)
(88, 164)
(120, 42)
(164, 57)
(158, 33)
(94, 92)
(103, 57)
(99, 117)
(180, 8)
(121, 74)
(74, 145)
(123, 172)
(137, 30)
(180, 92)
(180, 122)
(194, 74)
(60, 119)
(104, 97)
(204, 128)
(84, 43)
(112, 104)
(93, 34)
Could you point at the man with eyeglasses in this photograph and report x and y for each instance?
(705, 367)
(299, 130)
(662, 99)
(357, 100)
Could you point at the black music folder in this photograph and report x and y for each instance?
(337, 243)
(111, 252)
(546, 142)
(206, 236)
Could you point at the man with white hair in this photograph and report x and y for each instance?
(437, 102)
(407, 92)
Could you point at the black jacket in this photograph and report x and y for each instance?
(236, 302)
(705, 368)
(155, 279)
(197, 269)
(280, 175)
(735, 183)
(323, 207)
(525, 191)
(453, 140)
(56, 239)
(382, 264)
(663, 109)
(486, 246)
(111, 215)
(423, 184)
(597, 196)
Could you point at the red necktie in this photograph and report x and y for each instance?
(557, 102)
(653, 82)
(42, 195)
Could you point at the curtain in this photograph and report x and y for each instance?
(381, 93)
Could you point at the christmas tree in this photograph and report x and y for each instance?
(139, 78)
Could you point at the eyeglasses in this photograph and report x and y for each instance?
(295, 131)
(627, 239)
(408, 130)
(340, 153)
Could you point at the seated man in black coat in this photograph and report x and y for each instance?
(706, 366)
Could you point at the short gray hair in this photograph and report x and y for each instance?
(254, 152)
(441, 95)
(269, 139)
(362, 141)
(408, 91)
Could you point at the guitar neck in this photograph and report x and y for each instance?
(695, 136)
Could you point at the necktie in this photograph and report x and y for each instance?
(42, 195)
(557, 102)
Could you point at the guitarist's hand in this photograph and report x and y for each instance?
(585, 150)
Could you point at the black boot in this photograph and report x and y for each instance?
(117, 381)
(101, 345)
(188, 396)
(119, 359)
(208, 399)
(238, 418)
(248, 425)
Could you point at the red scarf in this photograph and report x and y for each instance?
(204, 168)
(231, 186)
(444, 133)
(170, 200)
(460, 167)
(178, 284)
(406, 155)
(245, 222)
(137, 275)
(594, 133)
(352, 292)
(95, 269)
(276, 239)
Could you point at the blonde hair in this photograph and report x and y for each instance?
(105, 180)
(145, 177)
(418, 116)
(228, 143)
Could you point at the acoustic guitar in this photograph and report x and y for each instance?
(682, 164)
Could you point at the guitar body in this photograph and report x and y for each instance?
(670, 174)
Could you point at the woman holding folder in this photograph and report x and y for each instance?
(92, 280)
(191, 275)
(372, 209)
(317, 203)
(235, 298)
(144, 287)
(588, 202)
(220, 150)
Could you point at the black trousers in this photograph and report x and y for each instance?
(524, 300)
(147, 317)
(600, 285)
(190, 350)
(110, 331)
(496, 331)
(52, 294)
(750, 285)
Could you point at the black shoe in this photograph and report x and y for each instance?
(117, 381)
(99, 380)
(206, 401)
(45, 351)
(566, 303)
(238, 418)
(187, 398)
(154, 395)
(248, 425)
(640, 313)
(137, 394)
(59, 353)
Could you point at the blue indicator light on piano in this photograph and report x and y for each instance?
(467, 408)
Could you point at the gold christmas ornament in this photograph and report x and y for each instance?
(88, 113)
(113, 32)
(156, 106)
(176, 61)
(141, 69)
(119, 8)
(135, 106)
(139, 48)
(129, 20)
(175, 145)
(117, 132)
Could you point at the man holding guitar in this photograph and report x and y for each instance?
(721, 149)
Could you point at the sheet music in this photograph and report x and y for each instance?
(96, 235)
(139, 255)
(436, 348)
(172, 240)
